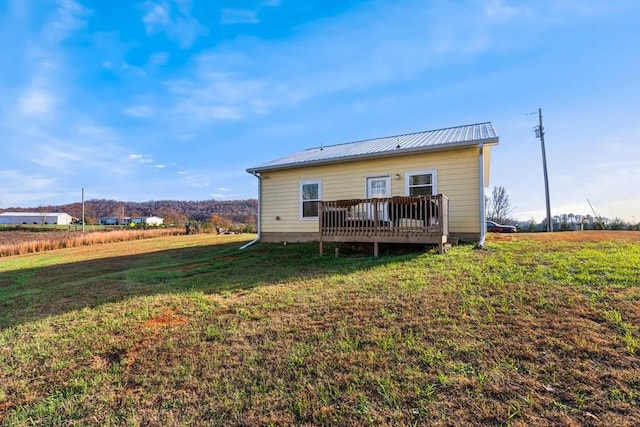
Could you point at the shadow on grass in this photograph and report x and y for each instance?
(34, 293)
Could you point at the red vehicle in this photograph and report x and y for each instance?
(494, 227)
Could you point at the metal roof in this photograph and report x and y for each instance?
(34, 214)
(386, 146)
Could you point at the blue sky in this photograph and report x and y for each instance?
(174, 99)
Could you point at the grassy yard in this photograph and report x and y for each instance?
(187, 330)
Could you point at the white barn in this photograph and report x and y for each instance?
(38, 218)
(147, 220)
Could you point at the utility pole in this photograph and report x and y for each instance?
(83, 209)
(540, 134)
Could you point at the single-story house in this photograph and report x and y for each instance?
(422, 187)
(110, 220)
(146, 220)
(40, 218)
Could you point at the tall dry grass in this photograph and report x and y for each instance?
(75, 239)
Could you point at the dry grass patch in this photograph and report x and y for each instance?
(24, 242)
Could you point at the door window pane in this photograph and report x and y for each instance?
(378, 188)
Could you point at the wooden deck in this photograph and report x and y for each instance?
(419, 219)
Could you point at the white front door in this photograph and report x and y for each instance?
(379, 186)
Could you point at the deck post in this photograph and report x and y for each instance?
(320, 247)
(375, 249)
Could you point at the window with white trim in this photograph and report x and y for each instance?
(421, 183)
(310, 196)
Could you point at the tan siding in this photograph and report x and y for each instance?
(486, 155)
(457, 174)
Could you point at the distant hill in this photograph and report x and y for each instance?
(173, 211)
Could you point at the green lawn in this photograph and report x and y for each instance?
(188, 330)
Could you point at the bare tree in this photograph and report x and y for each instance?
(42, 210)
(119, 213)
(498, 206)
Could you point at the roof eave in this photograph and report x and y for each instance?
(399, 152)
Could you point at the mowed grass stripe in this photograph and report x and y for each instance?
(524, 332)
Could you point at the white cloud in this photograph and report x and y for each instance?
(26, 189)
(216, 95)
(498, 11)
(232, 16)
(18, 179)
(108, 49)
(68, 18)
(195, 179)
(90, 133)
(140, 158)
(354, 51)
(159, 58)
(217, 113)
(253, 77)
(35, 102)
(239, 16)
(133, 70)
(146, 160)
(70, 150)
(179, 26)
(40, 87)
(157, 16)
(139, 111)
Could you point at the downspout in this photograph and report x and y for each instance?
(483, 218)
(246, 245)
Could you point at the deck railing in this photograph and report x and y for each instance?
(419, 219)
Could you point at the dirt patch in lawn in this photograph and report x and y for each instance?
(169, 317)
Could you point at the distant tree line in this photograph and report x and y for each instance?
(235, 213)
(499, 209)
(573, 222)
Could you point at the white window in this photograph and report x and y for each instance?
(421, 183)
(310, 196)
